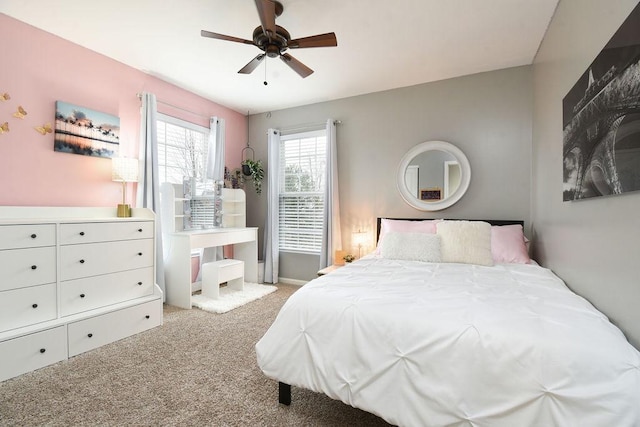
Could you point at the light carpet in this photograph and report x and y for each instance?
(197, 369)
(230, 298)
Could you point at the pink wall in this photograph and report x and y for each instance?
(38, 69)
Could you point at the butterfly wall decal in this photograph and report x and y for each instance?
(20, 113)
(5, 97)
(44, 129)
(4, 128)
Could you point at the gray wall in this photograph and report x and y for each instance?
(487, 115)
(592, 244)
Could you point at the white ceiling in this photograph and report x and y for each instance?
(381, 44)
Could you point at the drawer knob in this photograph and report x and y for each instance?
(139, 230)
(81, 295)
(81, 261)
(147, 316)
(33, 267)
(89, 335)
(42, 350)
(33, 236)
(35, 306)
(82, 233)
(139, 283)
(139, 253)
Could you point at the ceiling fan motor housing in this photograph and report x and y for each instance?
(275, 45)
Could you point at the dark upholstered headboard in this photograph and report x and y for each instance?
(490, 221)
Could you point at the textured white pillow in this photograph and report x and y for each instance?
(388, 225)
(467, 242)
(411, 246)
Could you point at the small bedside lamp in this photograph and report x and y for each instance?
(124, 170)
(359, 239)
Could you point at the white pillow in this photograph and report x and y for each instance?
(411, 246)
(405, 226)
(467, 242)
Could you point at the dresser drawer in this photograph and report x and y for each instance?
(26, 306)
(98, 291)
(93, 232)
(96, 331)
(27, 267)
(92, 259)
(34, 351)
(27, 236)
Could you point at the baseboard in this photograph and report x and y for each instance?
(295, 282)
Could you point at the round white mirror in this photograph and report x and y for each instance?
(433, 175)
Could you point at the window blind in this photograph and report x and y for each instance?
(301, 194)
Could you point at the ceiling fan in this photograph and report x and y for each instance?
(274, 40)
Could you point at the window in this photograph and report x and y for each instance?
(301, 193)
(182, 150)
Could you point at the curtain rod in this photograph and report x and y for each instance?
(139, 95)
(308, 126)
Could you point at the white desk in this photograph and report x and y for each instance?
(177, 260)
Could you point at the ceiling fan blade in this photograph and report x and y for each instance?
(296, 65)
(267, 12)
(247, 69)
(209, 34)
(321, 40)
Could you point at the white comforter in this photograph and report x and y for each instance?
(424, 344)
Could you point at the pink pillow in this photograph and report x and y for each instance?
(508, 244)
(404, 226)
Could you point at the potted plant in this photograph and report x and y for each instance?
(246, 170)
(254, 169)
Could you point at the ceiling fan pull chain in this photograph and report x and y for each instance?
(265, 73)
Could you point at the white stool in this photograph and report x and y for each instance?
(216, 272)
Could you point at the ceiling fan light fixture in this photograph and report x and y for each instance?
(272, 51)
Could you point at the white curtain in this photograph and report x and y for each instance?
(271, 233)
(149, 185)
(331, 232)
(215, 149)
(214, 170)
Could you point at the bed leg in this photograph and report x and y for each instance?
(284, 393)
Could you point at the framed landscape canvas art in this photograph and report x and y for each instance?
(80, 130)
(601, 120)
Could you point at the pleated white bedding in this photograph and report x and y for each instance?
(424, 344)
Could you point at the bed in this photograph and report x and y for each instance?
(451, 338)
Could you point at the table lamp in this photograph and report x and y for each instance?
(359, 239)
(124, 170)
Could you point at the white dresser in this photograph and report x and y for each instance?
(71, 280)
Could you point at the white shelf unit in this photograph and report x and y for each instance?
(182, 214)
(73, 279)
(234, 208)
(176, 208)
